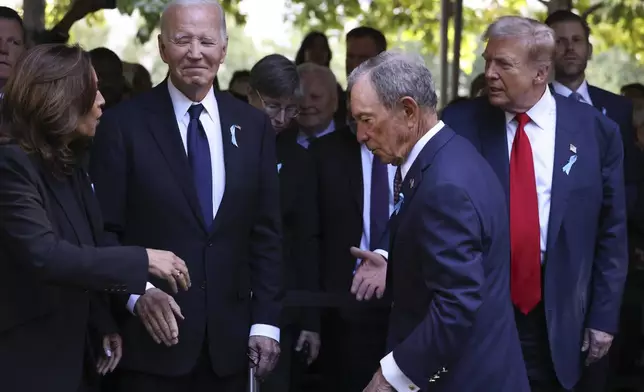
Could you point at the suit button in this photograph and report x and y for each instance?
(203, 285)
(210, 244)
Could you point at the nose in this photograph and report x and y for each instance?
(4, 46)
(195, 50)
(281, 116)
(490, 72)
(361, 135)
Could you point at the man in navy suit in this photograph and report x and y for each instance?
(452, 324)
(194, 171)
(560, 162)
(573, 50)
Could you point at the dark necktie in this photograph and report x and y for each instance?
(397, 185)
(577, 97)
(379, 214)
(525, 252)
(199, 158)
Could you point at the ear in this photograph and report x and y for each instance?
(543, 74)
(224, 51)
(161, 48)
(411, 110)
(590, 51)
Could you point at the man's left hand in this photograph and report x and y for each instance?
(378, 384)
(264, 353)
(313, 340)
(112, 353)
(597, 343)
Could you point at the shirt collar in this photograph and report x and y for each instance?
(565, 91)
(418, 147)
(181, 103)
(540, 112)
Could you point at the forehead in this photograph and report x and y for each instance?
(364, 45)
(10, 28)
(363, 95)
(568, 28)
(193, 18)
(508, 48)
(314, 81)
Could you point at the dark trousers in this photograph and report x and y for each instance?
(288, 373)
(201, 379)
(353, 343)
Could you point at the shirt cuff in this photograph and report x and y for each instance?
(394, 376)
(268, 331)
(382, 253)
(135, 297)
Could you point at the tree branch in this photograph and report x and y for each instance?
(592, 9)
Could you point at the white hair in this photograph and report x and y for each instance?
(395, 75)
(539, 37)
(186, 3)
(325, 72)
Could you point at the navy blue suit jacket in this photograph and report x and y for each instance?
(450, 267)
(144, 184)
(586, 256)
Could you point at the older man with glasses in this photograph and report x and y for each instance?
(275, 89)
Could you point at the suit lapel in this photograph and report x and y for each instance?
(494, 145)
(162, 124)
(92, 209)
(356, 182)
(414, 177)
(565, 137)
(233, 157)
(64, 196)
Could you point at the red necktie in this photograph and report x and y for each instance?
(525, 249)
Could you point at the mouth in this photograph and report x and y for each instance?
(494, 90)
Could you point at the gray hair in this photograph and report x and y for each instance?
(396, 75)
(539, 37)
(325, 72)
(186, 3)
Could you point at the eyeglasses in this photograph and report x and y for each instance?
(273, 110)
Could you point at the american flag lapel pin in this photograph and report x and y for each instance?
(573, 149)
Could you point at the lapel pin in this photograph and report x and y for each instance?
(233, 137)
(568, 166)
(411, 183)
(604, 111)
(573, 149)
(279, 168)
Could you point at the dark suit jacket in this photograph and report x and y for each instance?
(298, 192)
(586, 255)
(452, 316)
(338, 168)
(53, 276)
(144, 185)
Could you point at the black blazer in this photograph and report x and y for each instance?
(338, 166)
(144, 185)
(298, 192)
(54, 276)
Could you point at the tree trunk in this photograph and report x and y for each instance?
(34, 15)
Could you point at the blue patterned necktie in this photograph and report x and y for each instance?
(577, 97)
(199, 158)
(379, 214)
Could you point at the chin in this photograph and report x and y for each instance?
(498, 100)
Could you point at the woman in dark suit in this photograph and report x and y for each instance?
(56, 332)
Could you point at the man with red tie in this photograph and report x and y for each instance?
(560, 162)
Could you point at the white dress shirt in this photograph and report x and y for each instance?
(212, 126)
(541, 131)
(367, 158)
(303, 138)
(390, 370)
(565, 91)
